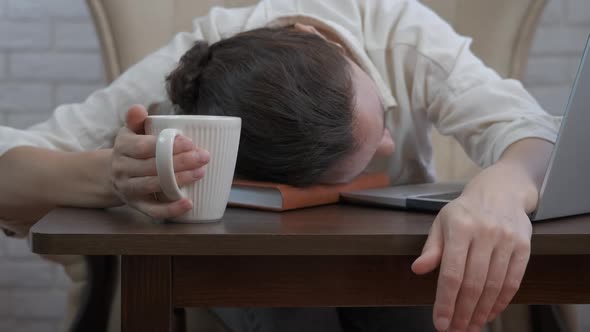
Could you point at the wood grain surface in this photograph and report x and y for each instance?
(294, 281)
(146, 288)
(330, 230)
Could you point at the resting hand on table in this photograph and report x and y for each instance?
(133, 168)
(481, 240)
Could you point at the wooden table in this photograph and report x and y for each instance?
(327, 256)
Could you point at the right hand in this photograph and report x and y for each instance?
(134, 176)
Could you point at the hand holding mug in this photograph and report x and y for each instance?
(220, 135)
(134, 174)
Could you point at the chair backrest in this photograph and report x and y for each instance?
(502, 31)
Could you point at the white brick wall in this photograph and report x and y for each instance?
(3, 64)
(17, 35)
(63, 66)
(43, 9)
(49, 55)
(556, 52)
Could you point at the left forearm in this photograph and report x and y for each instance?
(482, 239)
(532, 155)
(35, 180)
(521, 169)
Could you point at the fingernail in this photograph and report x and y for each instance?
(187, 204)
(204, 156)
(185, 143)
(195, 154)
(442, 324)
(198, 173)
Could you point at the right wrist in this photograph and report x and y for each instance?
(88, 176)
(106, 192)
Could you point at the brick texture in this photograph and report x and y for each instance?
(43, 10)
(26, 274)
(3, 65)
(26, 97)
(55, 66)
(33, 303)
(48, 55)
(27, 326)
(21, 120)
(578, 11)
(48, 50)
(556, 52)
(75, 36)
(24, 35)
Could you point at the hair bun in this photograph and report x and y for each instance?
(183, 82)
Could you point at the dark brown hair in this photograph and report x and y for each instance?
(293, 91)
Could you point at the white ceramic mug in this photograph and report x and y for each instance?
(220, 136)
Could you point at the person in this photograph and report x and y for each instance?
(326, 90)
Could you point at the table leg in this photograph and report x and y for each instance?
(146, 288)
(95, 309)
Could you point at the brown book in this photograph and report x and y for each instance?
(282, 197)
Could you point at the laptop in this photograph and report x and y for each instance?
(566, 186)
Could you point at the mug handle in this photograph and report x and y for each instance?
(165, 165)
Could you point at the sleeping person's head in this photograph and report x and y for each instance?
(309, 114)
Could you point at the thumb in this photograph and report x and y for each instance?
(432, 251)
(136, 116)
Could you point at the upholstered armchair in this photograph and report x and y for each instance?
(502, 31)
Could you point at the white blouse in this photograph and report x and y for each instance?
(425, 73)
